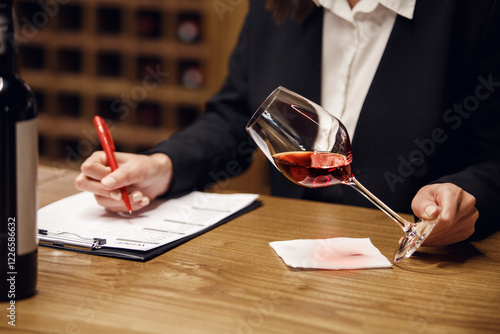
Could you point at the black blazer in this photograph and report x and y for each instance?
(431, 113)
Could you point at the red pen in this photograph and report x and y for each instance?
(109, 148)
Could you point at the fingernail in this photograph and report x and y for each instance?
(144, 201)
(108, 181)
(116, 195)
(137, 196)
(430, 211)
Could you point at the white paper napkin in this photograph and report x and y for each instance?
(335, 253)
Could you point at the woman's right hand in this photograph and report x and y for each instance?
(145, 177)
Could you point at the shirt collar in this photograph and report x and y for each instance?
(401, 7)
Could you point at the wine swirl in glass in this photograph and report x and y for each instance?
(312, 149)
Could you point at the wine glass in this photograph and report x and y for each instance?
(312, 149)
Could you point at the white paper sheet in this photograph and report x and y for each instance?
(334, 253)
(80, 217)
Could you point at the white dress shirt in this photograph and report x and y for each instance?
(353, 43)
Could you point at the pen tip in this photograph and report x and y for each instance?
(130, 212)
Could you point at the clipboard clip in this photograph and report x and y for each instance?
(69, 240)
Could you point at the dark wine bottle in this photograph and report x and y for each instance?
(18, 171)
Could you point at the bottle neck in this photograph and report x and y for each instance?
(7, 40)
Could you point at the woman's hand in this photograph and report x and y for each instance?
(144, 176)
(456, 208)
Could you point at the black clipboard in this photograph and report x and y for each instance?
(95, 246)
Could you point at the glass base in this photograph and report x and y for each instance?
(414, 236)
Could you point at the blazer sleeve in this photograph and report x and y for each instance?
(481, 110)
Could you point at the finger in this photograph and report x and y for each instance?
(463, 229)
(80, 182)
(425, 208)
(96, 166)
(115, 203)
(138, 199)
(110, 204)
(98, 157)
(458, 207)
(84, 183)
(449, 199)
(122, 177)
(445, 233)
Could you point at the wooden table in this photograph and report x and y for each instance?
(229, 280)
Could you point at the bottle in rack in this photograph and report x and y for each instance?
(188, 29)
(18, 172)
(191, 74)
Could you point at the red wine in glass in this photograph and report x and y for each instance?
(314, 169)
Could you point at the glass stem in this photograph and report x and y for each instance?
(378, 203)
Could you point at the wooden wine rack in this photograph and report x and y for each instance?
(125, 61)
